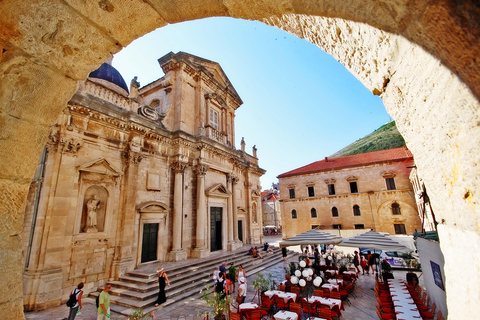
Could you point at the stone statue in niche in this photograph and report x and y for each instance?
(92, 207)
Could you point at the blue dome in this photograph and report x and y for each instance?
(108, 73)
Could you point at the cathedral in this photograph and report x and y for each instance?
(133, 175)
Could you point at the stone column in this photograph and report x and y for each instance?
(177, 253)
(234, 205)
(229, 209)
(201, 242)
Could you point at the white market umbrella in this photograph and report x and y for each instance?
(311, 237)
(374, 240)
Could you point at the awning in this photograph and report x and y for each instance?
(311, 237)
(374, 240)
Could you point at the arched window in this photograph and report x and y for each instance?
(356, 210)
(294, 214)
(396, 208)
(313, 213)
(334, 212)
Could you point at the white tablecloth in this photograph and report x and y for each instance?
(247, 306)
(285, 315)
(284, 295)
(353, 273)
(330, 286)
(327, 301)
(403, 303)
(335, 281)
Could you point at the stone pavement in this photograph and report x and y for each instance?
(362, 307)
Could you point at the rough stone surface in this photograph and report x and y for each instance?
(430, 87)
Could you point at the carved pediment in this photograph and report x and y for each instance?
(389, 174)
(330, 181)
(352, 178)
(256, 194)
(152, 207)
(218, 190)
(310, 184)
(100, 166)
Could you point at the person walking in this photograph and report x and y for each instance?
(240, 274)
(232, 271)
(103, 311)
(284, 253)
(356, 261)
(162, 280)
(242, 289)
(78, 305)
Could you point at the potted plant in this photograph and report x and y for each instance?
(344, 262)
(219, 302)
(262, 284)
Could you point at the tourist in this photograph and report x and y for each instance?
(103, 312)
(162, 279)
(242, 289)
(223, 268)
(228, 284)
(371, 262)
(219, 286)
(232, 271)
(255, 253)
(241, 274)
(363, 263)
(284, 253)
(216, 273)
(250, 251)
(356, 261)
(266, 247)
(78, 304)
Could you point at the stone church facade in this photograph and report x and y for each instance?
(364, 191)
(140, 175)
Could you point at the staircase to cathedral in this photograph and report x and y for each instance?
(136, 289)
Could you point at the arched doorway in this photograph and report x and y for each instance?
(430, 86)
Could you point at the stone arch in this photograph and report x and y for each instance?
(431, 88)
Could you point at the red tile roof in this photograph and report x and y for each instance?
(398, 154)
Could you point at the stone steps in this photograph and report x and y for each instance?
(137, 289)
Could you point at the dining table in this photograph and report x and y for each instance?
(285, 315)
(327, 301)
(405, 307)
(335, 281)
(352, 273)
(247, 306)
(330, 287)
(284, 295)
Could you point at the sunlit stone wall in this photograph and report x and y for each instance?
(426, 69)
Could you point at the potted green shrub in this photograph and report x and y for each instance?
(262, 284)
(386, 270)
(219, 302)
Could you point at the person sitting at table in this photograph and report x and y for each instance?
(242, 289)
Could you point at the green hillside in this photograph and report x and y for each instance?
(385, 137)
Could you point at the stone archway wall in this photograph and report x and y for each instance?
(420, 57)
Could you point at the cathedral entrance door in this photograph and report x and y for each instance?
(149, 244)
(240, 230)
(215, 228)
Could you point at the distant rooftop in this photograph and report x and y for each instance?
(397, 154)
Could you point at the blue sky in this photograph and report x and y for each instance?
(299, 104)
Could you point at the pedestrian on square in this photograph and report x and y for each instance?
(356, 261)
(363, 263)
(162, 280)
(78, 305)
(284, 253)
(242, 289)
(232, 271)
(240, 273)
(103, 312)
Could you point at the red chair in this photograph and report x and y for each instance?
(308, 308)
(324, 313)
(280, 303)
(326, 293)
(254, 314)
(318, 293)
(335, 295)
(235, 316)
(385, 315)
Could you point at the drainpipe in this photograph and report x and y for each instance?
(39, 178)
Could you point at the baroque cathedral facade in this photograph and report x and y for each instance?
(140, 174)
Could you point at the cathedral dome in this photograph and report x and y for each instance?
(109, 77)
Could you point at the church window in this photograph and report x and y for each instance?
(214, 119)
(294, 214)
(334, 212)
(356, 210)
(291, 193)
(359, 226)
(311, 191)
(353, 187)
(313, 213)
(331, 189)
(337, 226)
(396, 208)
(400, 229)
(390, 183)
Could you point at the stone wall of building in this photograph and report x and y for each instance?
(373, 199)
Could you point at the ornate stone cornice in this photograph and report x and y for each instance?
(201, 169)
(132, 157)
(330, 181)
(217, 97)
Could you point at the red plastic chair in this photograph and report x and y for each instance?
(280, 303)
(254, 314)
